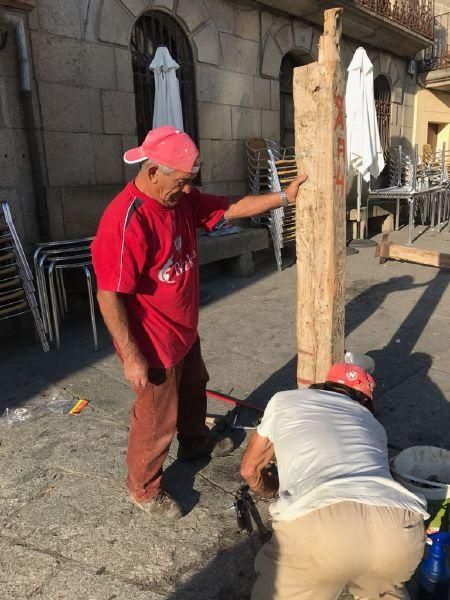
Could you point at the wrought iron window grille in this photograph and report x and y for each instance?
(382, 96)
(156, 28)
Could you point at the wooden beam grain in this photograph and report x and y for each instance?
(320, 229)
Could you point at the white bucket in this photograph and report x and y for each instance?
(360, 360)
(424, 470)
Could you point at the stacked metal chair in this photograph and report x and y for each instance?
(17, 292)
(270, 169)
(258, 171)
(282, 220)
(51, 261)
(257, 158)
(435, 166)
(409, 181)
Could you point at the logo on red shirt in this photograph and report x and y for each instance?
(176, 268)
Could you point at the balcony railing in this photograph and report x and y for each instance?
(18, 4)
(437, 56)
(413, 14)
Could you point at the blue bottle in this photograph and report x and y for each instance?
(434, 577)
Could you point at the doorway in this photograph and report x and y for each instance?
(432, 135)
(290, 61)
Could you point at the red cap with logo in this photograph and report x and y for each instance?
(353, 377)
(167, 146)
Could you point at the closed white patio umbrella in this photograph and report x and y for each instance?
(167, 104)
(364, 150)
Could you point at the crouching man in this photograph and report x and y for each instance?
(340, 518)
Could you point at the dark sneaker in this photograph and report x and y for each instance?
(162, 505)
(213, 446)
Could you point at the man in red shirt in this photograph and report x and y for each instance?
(145, 258)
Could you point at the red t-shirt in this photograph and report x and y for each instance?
(149, 254)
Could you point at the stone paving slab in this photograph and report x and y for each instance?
(24, 571)
(92, 585)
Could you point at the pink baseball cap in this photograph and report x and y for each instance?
(167, 146)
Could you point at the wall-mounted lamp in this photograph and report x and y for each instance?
(412, 67)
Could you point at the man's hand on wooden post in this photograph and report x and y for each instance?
(292, 188)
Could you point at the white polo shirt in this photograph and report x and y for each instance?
(329, 449)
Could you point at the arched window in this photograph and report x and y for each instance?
(382, 94)
(287, 127)
(152, 29)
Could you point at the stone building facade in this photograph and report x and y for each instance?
(432, 107)
(85, 108)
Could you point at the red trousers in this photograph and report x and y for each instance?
(174, 400)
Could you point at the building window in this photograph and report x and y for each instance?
(382, 94)
(152, 29)
(288, 64)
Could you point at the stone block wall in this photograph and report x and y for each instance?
(86, 106)
(86, 97)
(238, 90)
(15, 169)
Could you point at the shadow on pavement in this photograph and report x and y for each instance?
(25, 370)
(22, 361)
(283, 379)
(179, 480)
(228, 576)
(361, 307)
(358, 310)
(419, 410)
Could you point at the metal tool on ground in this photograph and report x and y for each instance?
(227, 421)
(230, 400)
(17, 292)
(246, 510)
(230, 420)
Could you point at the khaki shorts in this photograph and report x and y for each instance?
(373, 549)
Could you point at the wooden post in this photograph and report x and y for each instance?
(319, 100)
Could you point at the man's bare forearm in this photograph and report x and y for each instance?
(250, 206)
(259, 453)
(115, 316)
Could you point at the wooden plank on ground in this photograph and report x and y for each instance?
(432, 258)
(321, 229)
